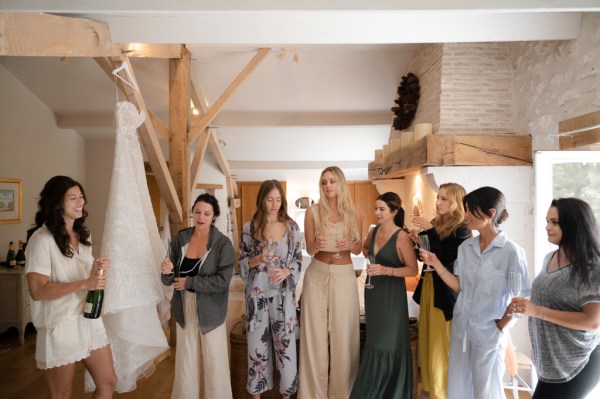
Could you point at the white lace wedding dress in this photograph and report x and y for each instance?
(131, 241)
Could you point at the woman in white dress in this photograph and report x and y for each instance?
(60, 270)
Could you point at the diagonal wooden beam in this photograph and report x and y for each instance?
(198, 96)
(159, 126)
(199, 153)
(230, 91)
(147, 133)
(218, 151)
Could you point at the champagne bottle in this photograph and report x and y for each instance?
(93, 301)
(11, 259)
(20, 255)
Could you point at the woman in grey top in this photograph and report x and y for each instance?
(564, 308)
(199, 268)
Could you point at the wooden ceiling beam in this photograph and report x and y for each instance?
(47, 35)
(147, 133)
(214, 110)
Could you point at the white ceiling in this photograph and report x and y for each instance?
(330, 107)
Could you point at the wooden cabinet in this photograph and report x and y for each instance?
(14, 297)
(364, 194)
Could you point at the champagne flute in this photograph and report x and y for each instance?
(269, 251)
(370, 261)
(425, 245)
(339, 236)
(514, 283)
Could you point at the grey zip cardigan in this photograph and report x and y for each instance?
(212, 282)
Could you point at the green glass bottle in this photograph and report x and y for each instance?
(93, 302)
(11, 259)
(20, 255)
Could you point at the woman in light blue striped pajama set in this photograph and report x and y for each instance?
(478, 344)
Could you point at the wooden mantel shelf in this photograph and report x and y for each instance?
(450, 150)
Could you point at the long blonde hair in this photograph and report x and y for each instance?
(344, 205)
(447, 224)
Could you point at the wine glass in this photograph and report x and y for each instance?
(370, 261)
(514, 283)
(269, 251)
(425, 245)
(339, 236)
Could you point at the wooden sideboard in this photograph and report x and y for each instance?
(14, 297)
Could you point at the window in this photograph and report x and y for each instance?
(560, 174)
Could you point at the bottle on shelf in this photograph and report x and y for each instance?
(93, 301)
(11, 259)
(20, 257)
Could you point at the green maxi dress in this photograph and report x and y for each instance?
(385, 363)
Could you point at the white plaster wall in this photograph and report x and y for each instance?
(556, 81)
(32, 149)
(99, 158)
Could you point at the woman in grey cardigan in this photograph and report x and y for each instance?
(199, 268)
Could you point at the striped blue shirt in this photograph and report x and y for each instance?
(484, 290)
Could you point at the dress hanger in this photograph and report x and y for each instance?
(129, 80)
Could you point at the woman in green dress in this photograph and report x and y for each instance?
(385, 364)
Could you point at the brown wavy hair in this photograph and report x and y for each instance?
(260, 216)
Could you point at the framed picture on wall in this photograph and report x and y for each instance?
(10, 201)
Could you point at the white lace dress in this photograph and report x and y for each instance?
(131, 241)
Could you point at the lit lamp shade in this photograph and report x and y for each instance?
(304, 202)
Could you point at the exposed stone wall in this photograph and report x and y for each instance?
(556, 81)
(426, 63)
(504, 88)
(476, 89)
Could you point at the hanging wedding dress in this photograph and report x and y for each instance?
(131, 241)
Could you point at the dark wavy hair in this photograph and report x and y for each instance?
(394, 202)
(579, 239)
(260, 216)
(50, 212)
(480, 201)
(211, 200)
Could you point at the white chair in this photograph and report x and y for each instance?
(515, 363)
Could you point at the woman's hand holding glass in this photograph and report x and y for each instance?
(431, 259)
(166, 266)
(321, 242)
(520, 305)
(515, 286)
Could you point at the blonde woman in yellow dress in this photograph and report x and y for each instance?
(445, 233)
(329, 324)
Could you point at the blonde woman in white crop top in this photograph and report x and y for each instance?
(329, 327)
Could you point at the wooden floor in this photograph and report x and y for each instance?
(20, 379)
